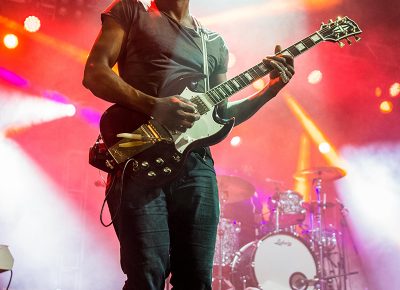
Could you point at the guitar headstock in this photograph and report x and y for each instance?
(341, 28)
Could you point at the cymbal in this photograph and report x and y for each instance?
(234, 189)
(324, 173)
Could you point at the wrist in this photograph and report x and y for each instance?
(143, 102)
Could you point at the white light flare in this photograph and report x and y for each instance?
(314, 77)
(235, 141)
(370, 192)
(394, 90)
(20, 110)
(32, 23)
(371, 185)
(10, 41)
(45, 232)
(324, 148)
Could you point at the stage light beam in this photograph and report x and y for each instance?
(314, 132)
(20, 110)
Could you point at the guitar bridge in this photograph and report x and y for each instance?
(141, 139)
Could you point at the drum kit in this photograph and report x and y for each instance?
(294, 249)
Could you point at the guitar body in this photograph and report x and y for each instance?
(158, 156)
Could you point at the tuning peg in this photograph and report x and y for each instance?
(330, 21)
(341, 44)
(348, 41)
(357, 38)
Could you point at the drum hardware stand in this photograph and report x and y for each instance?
(319, 220)
(342, 256)
(299, 281)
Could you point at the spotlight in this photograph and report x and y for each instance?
(378, 92)
(70, 110)
(315, 77)
(32, 23)
(235, 141)
(10, 41)
(394, 90)
(324, 147)
(259, 84)
(386, 107)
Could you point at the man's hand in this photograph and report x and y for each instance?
(175, 112)
(283, 70)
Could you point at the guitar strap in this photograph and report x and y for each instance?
(204, 38)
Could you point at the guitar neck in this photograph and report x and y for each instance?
(239, 82)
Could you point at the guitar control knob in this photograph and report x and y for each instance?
(109, 164)
(167, 170)
(176, 157)
(151, 174)
(145, 164)
(160, 161)
(135, 165)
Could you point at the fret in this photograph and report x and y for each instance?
(293, 51)
(300, 46)
(248, 76)
(229, 87)
(253, 76)
(235, 82)
(220, 90)
(254, 73)
(214, 96)
(211, 96)
(217, 94)
(263, 68)
(308, 42)
(259, 71)
(242, 80)
(315, 37)
(225, 89)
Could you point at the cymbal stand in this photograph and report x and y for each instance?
(319, 219)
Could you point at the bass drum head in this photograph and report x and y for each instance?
(269, 263)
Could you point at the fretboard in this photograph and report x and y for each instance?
(239, 82)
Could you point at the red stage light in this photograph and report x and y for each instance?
(32, 23)
(386, 107)
(378, 92)
(10, 41)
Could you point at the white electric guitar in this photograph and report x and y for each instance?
(153, 155)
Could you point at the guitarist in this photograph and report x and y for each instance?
(170, 229)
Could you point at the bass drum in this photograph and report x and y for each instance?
(269, 263)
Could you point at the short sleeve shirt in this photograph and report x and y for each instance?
(158, 50)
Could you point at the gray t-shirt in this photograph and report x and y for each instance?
(158, 50)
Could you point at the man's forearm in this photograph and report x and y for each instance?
(245, 108)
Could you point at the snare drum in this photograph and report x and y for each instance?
(271, 262)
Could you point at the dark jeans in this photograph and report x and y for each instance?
(170, 229)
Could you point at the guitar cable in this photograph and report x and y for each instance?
(108, 192)
(9, 282)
